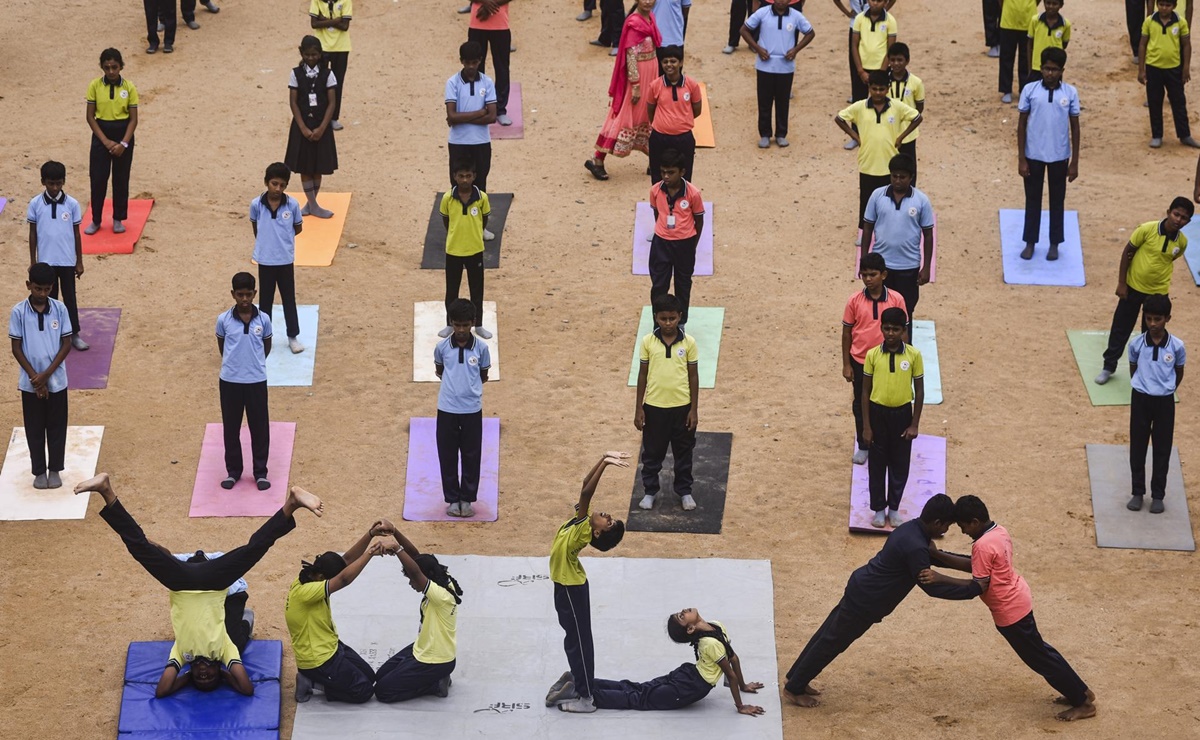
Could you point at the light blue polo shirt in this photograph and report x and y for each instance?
(469, 96)
(245, 359)
(462, 388)
(1156, 364)
(668, 16)
(1048, 131)
(898, 227)
(41, 337)
(777, 34)
(276, 240)
(856, 7)
(56, 221)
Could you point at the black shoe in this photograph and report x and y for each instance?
(597, 42)
(168, 49)
(153, 49)
(443, 687)
(263, 484)
(1156, 506)
(229, 482)
(1135, 503)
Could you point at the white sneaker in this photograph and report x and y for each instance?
(582, 705)
(1006, 98)
(728, 49)
(91, 228)
(488, 236)
(464, 9)
(482, 333)
(850, 145)
(336, 125)
(994, 52)
(647, 502)
(860, 457)
(879, 520)
(465, 510)
(454, 509)
(1103, 377)
(688, 503)
(445, 331)
(78, 344)
(503, 119)
(295, 346)
(894, 520)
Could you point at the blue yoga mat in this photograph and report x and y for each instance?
(925, 340)
(1067, 270)
(283, 367)
(1192, 255)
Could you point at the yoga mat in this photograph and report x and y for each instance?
(20, 501)
(1067, 270)
(423, 501)
(105, 241)
(500, 685)
(3, 202)
(925, 340)
(703, 128)
(1088, 348)
(1116, 526)
(515, 112)
(434, 256)
(1192, 255)
(318, 242)
(710, 467)
(926, 478)
(244, 499)
(283, 367)
(191, 713)
(643, 229)
(89, 370)
(932, 268)
(705, 324)
(429, 317)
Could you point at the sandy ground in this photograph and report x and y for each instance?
(1016, 415)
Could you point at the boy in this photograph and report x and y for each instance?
(244, 341)
(894, 394)
(880, 126)
(54, 219)
(873, 32)
(1049, 29)
(1007, 595)
(678, 209)
(1015, 17)
(673, 103)
(777, 28)
(908, 89)
(899, 217)
(489, 27)
(858, 88)
(470, 107)
(465, 210)
(1156, 361)
(1164, 63)
(668, 401)
(861, 331)
(573, 691)
(1147, 264)
(275, 247)
(330, 19)
(1047, 148)
(461, 362)
(40, 330)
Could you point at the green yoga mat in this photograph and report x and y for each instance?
(1088, 347)
(704, 323)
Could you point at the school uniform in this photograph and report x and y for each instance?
(335, 43)
(898, 228)
(673, 246)
(113, 104)
(877, 134)
(41, 334)
(1149, 273)
(56, 221)
(495, 33)
(910, 91)
(320, 655)
(668, 16)
(160, 11)
(275, 253)
(858, 88)
(304, 156)
(236, 597)
(1015, 16)
(875, 35)
(471, 142)
(464, 246)
(778, 34)
(892, 375)
(612, 17)
(1045, 35)
(572, 600)
(1153, 371)
(463, 371)
(684, 686)
(673, 121)
(1048, 152)
(666, 404)
(861, 315)
(1164, 72)
(991, 23)
(417, 669)
(243, 385)
(739, 11)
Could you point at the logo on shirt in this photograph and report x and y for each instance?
(904, 365)
(687, 96)
(1168, 357)
(124, 94)
(66, 216)
(1064, 102)
(683, 204)
(54, 324)
(1175, 31)
(287, 215)
(883, 28)
(891, 119)
(257, 331)
(474, 211)
(188, 657)
(1175, 252)
(912, 211)
(1058, 34)
(790, 26)
(472, 361)
(679, 352)
(482, 93)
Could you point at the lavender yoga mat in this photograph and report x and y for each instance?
(926, 477)
(423, 500)
(643, 229)
(89, 370)
(515, 112)
(244, 499)
(3, 202)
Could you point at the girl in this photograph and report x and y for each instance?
(112, 115)
(628, 124)
(425, 666)
(311, 152)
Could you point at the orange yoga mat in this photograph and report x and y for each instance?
(703, 130)
(319, 240)
(105, 241)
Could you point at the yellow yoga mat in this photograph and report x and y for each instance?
(703, 128)
(318, 242)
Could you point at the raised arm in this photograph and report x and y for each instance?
(351, 571)
(593, 478)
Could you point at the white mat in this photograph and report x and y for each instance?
(510, 650)
(19, 500)
(428, 318)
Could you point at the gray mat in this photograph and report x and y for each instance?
(710, 468)
(510, 650)
(1116, 526)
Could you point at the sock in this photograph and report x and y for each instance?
(310, 194)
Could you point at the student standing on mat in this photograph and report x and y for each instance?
(275, 248)
(489, 28)
(678, 209)
(461, 362)
(1156, 361)
(673, 103)
(54, 219)
(908, 89)
(311, 150)
(1164, 64)
(465, 210)
(1007, 595)
(1047, 30)
(779, 30)
(244, 341)
(573, 690)
(1147, 264)
(899, 218)
(873, 592)
(198, 590)
(112, 115)
(1015, 17)
(470, 108)
(330, 19)
(40, 330)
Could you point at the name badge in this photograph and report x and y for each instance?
(312, 100)
(670, 220)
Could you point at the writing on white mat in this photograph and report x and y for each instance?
(523, 580)
(502, 707)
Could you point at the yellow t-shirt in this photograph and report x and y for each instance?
(112, 101)
(465, 235)
(873, 38)
(712, 652)
(1016, 14)
(198, 618)
(310, 623)
(1043, 37)
(667, 369)
(1154, 261)
(1163, 45)
(572, 537)
(910, 92)
(332, 39)
(892, 374)
(877, 132)
(439, 618)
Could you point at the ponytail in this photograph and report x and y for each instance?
(439, 574)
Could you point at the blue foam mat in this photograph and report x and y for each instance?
(1067, 270)
(1192, 255)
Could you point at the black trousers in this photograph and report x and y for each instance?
(337, 64)
(1150, 417)
(868, 184)
(459, 435)
(403, 677)
(187, 9)
(1041, 656)
(346, 676)
(454, 270)
(45, 428)
(1035, 75)
(101, 164)
(160, 10)
(910, 148)
(501, 43)
(663, 428)
(250, 399)
(589, 5)
(991, 23)
(283, 276)
(612, 16)
(1055, 175)
(65, 280)
(574, 607)
(1135, 15)
(1170, 81)
(236, 625)
(479, 155)
(773, 89)
(1125, 316)
(904, 282)
(856, 404)
(1013, 44)
(684, 143)
(739, 11)
(679, 688)
(858, 88)
(673, 256)
(838, 632)
(890, 455)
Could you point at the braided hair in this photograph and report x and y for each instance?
(439, 574)
(325, 566)
(678, 633)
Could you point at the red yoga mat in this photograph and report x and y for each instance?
(105, 241)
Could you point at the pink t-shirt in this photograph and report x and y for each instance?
(495, 22)
(1008, 595)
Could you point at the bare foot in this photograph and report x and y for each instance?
(801, 700)
(298, 498)
(1091, 698)
(101, 485)
(811, 691)
(1083, 711)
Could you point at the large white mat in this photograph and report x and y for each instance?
(510, 650)
(19, 500)
(429, 317)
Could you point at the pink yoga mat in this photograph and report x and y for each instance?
(926, 478)
(244, 499)
(517, 129)
(423, 501)
(89, 370)
(643, 229)
(932, 268)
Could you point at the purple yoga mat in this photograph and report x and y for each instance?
(244, 499)
(89, 370)
(643, 229)
(517, 129)
(3, 202)
(926, 478)
(423, 501)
